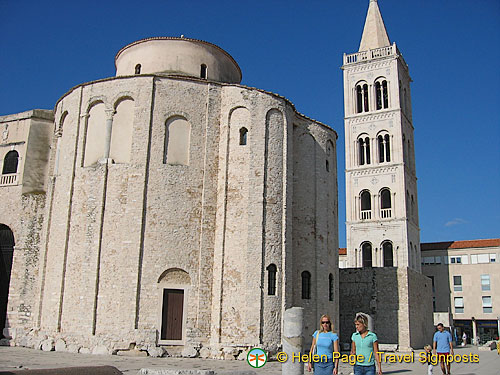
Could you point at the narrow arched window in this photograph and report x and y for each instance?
(361, 151)
(385, 94)
(366, 205)
(365, 97)
(306, 285)
(381, 149)
(385, 204)
(388, 254)
(330, 287)
(10, 162)
(271, 279)
(203, 71)
(327, 166)
(359, 100)
(387, 148)
(138, 69)
(378, 94)
(412, 206)
(366, 250)
(243, 136)
(367, 150)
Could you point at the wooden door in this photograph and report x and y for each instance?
(172, 311)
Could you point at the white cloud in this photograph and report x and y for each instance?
(455, 221)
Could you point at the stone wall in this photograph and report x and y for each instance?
(401, 315)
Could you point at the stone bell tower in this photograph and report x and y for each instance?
(381, 183)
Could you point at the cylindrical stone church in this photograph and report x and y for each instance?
(184, 209)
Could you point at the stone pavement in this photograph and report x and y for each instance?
(15, 357)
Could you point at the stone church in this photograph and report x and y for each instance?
(168, 205)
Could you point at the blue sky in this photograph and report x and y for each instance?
(294, 48)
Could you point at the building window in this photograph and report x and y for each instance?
(384, 148)
(456, 260)
(459, 305)
(487, 306)
(485, 282)
(243, 136)
(364, 150)
(457, 283)
(327, 166)
(483, 258)
(362, 98)
(10, 162)
(306, 285)
(271, 279)
(388, 254)
(366, 250)
(382, 96)
(385, 203)
(138, 69)
(203, 71)
(330, 287)
(366, 205)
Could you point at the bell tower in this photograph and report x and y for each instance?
(381, 183)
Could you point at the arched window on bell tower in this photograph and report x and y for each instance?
(362, 97)
(385, 203)
(364, 150)
(366, 205)
(366, 253)
(381, 94)
(384, 148)
(388, 254)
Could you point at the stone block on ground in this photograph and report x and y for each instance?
(61, 346)
(157, 352)
(48, 345)
(388, 347)
(132, 353)
(101, 350)
(189, 352)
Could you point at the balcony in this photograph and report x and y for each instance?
(366, 214)
(372, 54)
(9, 179)
(385, 213)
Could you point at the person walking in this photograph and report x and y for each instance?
(365, 343)
(464, 339)
(443, 346)
(325, 343)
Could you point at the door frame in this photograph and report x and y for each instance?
(185, 289)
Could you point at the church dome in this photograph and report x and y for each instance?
(177, 56)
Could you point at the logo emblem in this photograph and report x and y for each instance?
(256, 358)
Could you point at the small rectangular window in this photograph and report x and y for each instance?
(473, 259)
(485, 282)
(438, 260)
(487, 306)
(457, 283)
(465, 259)
(483, 258)
(459, 305)
(493, 258)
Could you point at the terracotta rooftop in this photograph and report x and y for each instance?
(460, 244)
(491, 242)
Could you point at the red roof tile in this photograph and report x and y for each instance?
(342, 251)
(460, 244)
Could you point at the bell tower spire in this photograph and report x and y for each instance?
(374, 33)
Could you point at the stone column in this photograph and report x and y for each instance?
(109, 124)
(292, 340)
(474, 331)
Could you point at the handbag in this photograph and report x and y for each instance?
(315, 350)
